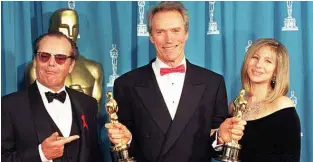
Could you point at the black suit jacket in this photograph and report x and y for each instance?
(155, 137)
(25, 123)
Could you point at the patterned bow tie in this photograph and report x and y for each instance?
(59, 96)
(178, 69)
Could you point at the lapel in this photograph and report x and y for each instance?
(192, 91)
(42, 120)
(78, 113)
(149, 92)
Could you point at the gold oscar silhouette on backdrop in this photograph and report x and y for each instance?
(120, 148)
(231, 149)
(87, 75)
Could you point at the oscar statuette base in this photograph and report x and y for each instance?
(122, 153)
(230, 153)
(122, 156)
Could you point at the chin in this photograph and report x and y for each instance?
(173, 58)
(53, 82)
(259, 81)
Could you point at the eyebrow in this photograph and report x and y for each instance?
(267, 57)
(175, 28)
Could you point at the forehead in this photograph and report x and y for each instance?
(167, 20)
(267, 52)
(55, 45)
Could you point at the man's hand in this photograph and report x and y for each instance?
(53, 146)
(118, 133)
(232, 128)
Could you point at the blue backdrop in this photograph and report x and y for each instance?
(103, 24)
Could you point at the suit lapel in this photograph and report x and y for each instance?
(78, 113)
(152, 99)
(44, 123)
(191, 94)
(42, 119)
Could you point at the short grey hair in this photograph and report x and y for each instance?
(169, 6)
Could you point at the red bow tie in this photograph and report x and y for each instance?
(178, 69)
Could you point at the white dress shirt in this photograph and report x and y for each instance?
(61, 114)
(171, 85)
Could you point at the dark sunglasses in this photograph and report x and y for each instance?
(60, 59)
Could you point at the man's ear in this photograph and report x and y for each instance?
(151, 38)
(34, 62)
(187, 35)
(72, 65)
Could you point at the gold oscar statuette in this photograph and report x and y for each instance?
(231, 149)
(120, 148)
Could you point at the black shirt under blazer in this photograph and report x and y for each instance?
(155, 137)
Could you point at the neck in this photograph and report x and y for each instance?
(174, 63)
(258, 92)
(54, 89)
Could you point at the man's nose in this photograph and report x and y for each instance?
(168, 37)
(51, 61)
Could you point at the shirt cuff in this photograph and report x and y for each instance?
(42, 156)
(217, 147)
(130, 140)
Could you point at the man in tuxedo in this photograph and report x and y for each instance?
(170, 110)
(48, 121)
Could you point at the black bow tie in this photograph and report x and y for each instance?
(59, 96)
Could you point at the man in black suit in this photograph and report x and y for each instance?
(170, 109)
(48, 121)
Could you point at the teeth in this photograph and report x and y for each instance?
(170, 47)
(257, 73)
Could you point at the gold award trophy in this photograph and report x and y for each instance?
(231, 149)
(120, 148)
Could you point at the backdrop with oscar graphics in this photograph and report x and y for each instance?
(114, 34)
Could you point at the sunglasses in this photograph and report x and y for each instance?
(60, 59)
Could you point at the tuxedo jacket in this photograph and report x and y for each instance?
(25, 123)
(155, 136)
